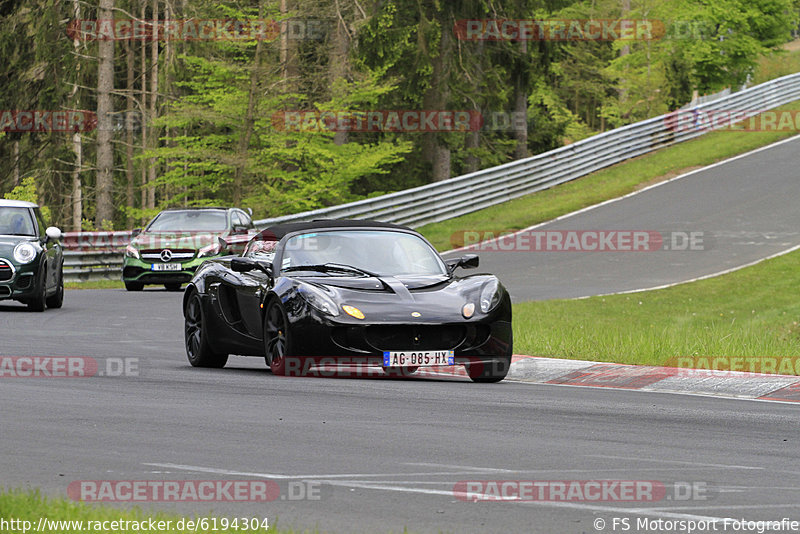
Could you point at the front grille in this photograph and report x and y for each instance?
(410, 337)
(6, 271)
(180, 254)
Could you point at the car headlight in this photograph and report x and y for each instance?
(318, 299)
(132, 252)
(490, 295)
(25, 253)
(209, 250)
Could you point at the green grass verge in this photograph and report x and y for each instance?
(602, 185)
(753, 313)
(31, 506)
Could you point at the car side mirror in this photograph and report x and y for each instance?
(135, 232)
(223, 245)
(467, 261)
(53, 233)
(240, 264)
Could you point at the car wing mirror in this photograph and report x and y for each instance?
(223, 245)
(135, 232)
(53, 233)
(467, 261)
(241, 264)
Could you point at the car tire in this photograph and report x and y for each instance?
(494, 371)
(56, 300)
(198, 351)
(134, 286)
(277, 340)
(38, 302)
(173, 286)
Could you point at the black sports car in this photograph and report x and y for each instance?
(357, 291)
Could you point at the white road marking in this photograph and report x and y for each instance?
(665, 461)
(633, 193)
(199, 469)
(556, 504)
(462, 467)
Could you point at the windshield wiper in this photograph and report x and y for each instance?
(328, 267)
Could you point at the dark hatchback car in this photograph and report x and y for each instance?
(177, 241)
(346, 290)
(31, 258)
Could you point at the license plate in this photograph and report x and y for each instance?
(418, 358)
(165, 267)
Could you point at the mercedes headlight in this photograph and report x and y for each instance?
(318, 299)
(132, 252)
(490, 295)
(25, 253)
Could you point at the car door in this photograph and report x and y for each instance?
(52, 251)
(252, 284)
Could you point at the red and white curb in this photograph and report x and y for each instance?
(736, 384)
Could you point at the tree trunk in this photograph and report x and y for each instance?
(145, 118)
(339, 61)
(129, 192)
(151, 190)
(288, 48)
(521, 103)
(249, 121)
(16, 162)
(434, 151)
(104, 207)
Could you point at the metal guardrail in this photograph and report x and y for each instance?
(464, 194)
(92, 256)
(98, 255)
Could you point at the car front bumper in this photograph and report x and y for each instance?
(22, 284)
(135, 270)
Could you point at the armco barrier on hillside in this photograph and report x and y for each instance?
(98, 255)
(464, 194)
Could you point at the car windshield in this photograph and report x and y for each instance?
(384, 252)
(16, 221)
(189, 221)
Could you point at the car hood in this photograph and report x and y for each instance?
(390, 299)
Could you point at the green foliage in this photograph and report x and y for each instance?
(27, 191)
(387, 55)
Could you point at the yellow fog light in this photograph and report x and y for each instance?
(353, 311)
(468, 310)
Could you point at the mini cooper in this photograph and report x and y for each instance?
(31, 258)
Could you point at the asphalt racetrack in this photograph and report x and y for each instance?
(715, 219)
(382, 455)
